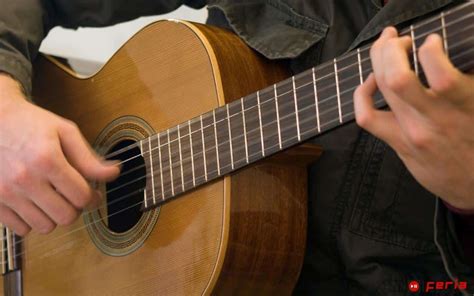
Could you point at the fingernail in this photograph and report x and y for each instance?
(433, 37)
(389, 30)
(112, 162)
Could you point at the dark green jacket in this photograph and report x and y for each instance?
(372, 227)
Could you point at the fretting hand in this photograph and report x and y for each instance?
(431, 129)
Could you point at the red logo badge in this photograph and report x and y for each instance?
(414, 286)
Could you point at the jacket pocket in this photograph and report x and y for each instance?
(272, 27)
(390, 206)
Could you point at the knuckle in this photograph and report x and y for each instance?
(445, 83)
(71, 126)
(46, 227)
(21, 175)
(399, 81)
(419, 138)
(364, 119)
(43, 158)
(21, 229)
(82, 200)
(67, 218)
(17, 225)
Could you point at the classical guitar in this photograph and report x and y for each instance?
(212, 194)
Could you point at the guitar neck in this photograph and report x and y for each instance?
(282, 115)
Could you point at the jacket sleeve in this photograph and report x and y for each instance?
(25, 23)
(449, 240)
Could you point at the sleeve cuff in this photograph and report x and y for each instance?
(18, 70)
(459, 211)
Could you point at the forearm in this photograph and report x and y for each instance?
(22, 27)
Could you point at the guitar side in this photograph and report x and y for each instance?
(242, 234)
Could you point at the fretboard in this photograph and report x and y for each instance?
(282, 115)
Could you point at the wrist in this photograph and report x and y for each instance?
(9, 82)
(10, 91)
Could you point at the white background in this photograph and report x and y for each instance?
(98, 44)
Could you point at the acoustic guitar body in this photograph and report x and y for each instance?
(241, 234)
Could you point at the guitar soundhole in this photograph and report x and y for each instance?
(125, 194)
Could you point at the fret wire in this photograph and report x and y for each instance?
(327, 124)
(260, 122)
(144, 202)
(435, 18)
(152, 172)
(415, 58)
(352, 113)
(378, 101)
(204, 151)
(277, 114)
(352, 65)
(360, 66)
(364, 60)
(161, 169)
(245, 130)
(316, 103)
(230, 137)
(350, 54)
(217, 146)
(141, 190)
(298, 87)
(192, 153)
(445, 36)
(337, 91)
(364, 48)
(144, 193)
(296, 109)
(180, 158)
(332, 121)
(170, 160)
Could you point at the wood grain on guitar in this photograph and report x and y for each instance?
(215, 220)
(243, 233)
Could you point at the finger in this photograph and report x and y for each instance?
(30, 213)
(13, 221)
(443, 78)
(376, 50)
(398, 80)
(81, 156)
(72, 185)
(381, 124)
(52, 203)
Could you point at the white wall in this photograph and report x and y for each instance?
(98, 44)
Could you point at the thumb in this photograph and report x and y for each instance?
(81, 156)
